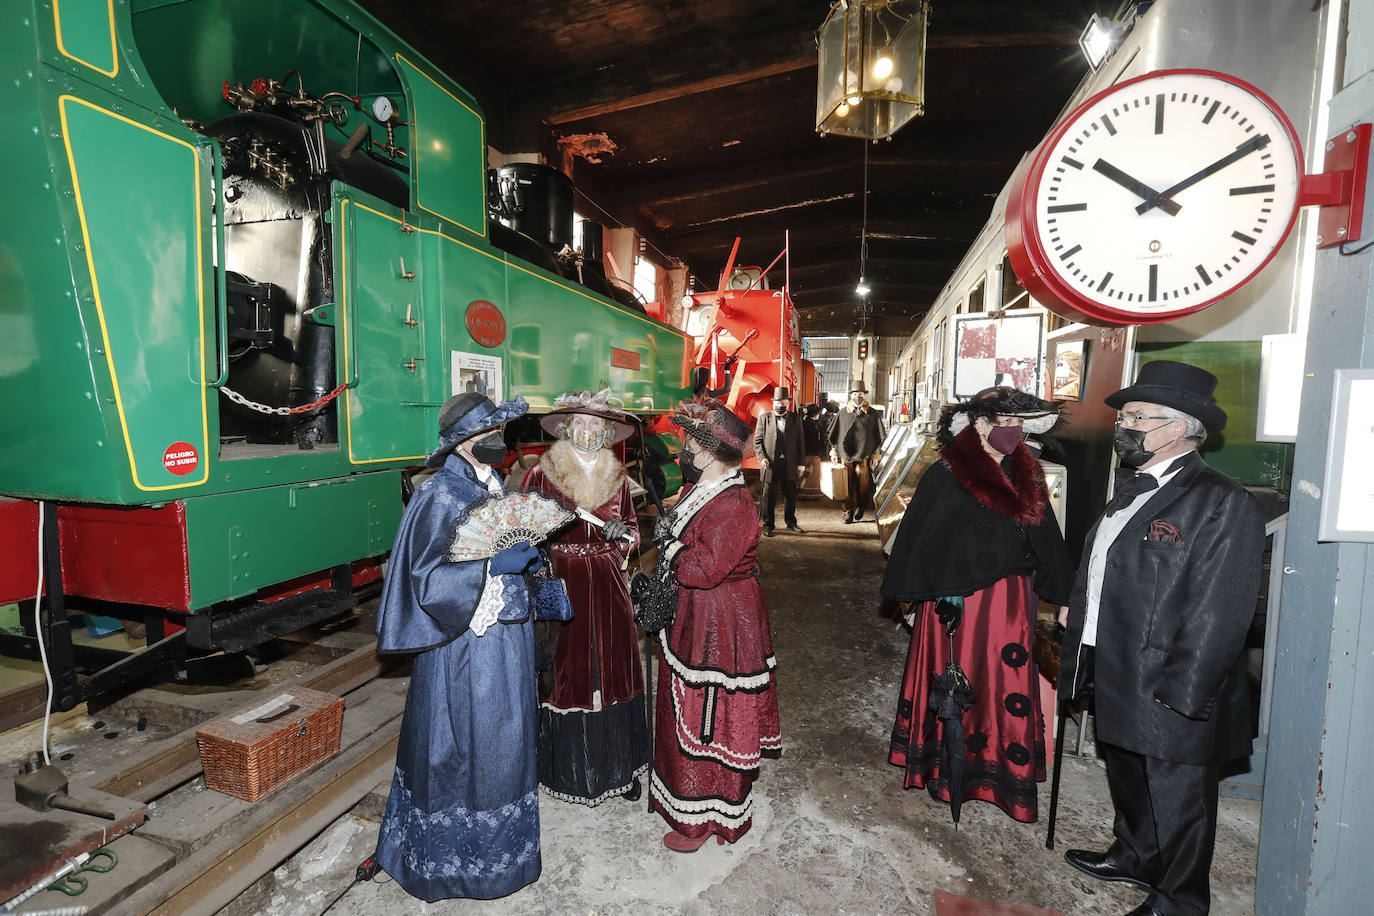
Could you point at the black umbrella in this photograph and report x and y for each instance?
(950, 696)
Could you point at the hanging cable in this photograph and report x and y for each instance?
(42, 643)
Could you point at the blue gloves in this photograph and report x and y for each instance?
(515, 560)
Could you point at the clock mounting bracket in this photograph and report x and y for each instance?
(1340, 190)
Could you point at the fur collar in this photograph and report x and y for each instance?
(589, 488)
(1020, 494)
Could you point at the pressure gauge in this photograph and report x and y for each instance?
(382, 109)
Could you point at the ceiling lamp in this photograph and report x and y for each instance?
(872, 67)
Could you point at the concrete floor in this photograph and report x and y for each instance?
(833, 832)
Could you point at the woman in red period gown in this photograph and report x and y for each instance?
(717, 706)
(979, 531)
(593, 732)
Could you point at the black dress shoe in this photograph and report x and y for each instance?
(797, 528)
(768, 532)
(858, 516)
(1102, 866)
(632, 793)
(1146, 909)
(848, 518)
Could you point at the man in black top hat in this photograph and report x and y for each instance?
(779, 445)
(856, 434)
(1156, 627)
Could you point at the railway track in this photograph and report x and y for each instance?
(196, 850)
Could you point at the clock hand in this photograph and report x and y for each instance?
(1240, 152)
(1150, 195)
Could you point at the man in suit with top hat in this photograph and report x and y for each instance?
(781, 450)
(855, 436)
(1156, 627)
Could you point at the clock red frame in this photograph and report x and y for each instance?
(1026, 248)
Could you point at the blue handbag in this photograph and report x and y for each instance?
(551, 601)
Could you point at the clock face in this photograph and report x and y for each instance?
(1155, 198)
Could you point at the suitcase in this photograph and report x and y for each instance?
(250, 753)
(834, 481)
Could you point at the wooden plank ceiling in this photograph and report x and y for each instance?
(710, 108)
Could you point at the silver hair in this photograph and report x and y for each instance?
(1196, 431)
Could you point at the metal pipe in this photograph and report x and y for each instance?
(73, 864)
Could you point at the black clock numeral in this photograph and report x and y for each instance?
(1202, 272)
(1252, 189)
(1242, 237)
(1107, 123)
(1073, 162)
(1211, 111)
(1067, 208)
(1071, 252)
(1154, 281)
(1105, 280)
(1159, 118)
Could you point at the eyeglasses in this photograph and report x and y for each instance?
(1133, 419)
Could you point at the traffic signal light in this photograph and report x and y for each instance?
(863, 348)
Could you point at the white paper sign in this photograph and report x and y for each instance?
(476, 372)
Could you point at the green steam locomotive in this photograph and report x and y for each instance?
(248, 256)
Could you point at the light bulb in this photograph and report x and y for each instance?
(842, 109)
(854, 100)
(882, 67)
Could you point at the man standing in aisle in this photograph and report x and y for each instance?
(855, 436)
(779, 445)
(1156, 627)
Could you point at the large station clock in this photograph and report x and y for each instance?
(1155, 198)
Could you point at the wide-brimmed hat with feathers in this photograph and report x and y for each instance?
(602, 404)
(1037, 416)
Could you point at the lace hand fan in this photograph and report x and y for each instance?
(487, 527)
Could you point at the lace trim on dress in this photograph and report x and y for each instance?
(692, 745)
(700, 677)
(593, 802)
(700, 810)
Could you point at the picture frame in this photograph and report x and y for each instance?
(1347, 501)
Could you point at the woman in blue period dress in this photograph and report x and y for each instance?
(462, 819)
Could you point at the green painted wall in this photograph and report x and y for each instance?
(1236, 364)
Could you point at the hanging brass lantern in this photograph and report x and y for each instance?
(872, 68)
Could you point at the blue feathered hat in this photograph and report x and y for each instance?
(469, 414)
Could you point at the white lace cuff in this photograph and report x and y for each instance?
(488, 606)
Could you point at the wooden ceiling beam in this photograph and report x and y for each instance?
(610, 83)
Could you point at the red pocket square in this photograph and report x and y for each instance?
(1161, 530)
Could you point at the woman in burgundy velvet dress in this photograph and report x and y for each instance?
(980, 533)
(717, 705)
(593, 732)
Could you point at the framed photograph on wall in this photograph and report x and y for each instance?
(1068, 368)
(1347, 498)
(998, 351)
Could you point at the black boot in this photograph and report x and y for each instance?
(633, 792)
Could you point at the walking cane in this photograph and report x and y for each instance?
(649, 660)
(1054, 779)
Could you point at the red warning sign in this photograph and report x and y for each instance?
(180, 458)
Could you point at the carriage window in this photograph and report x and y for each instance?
(975, 297)
(1014, 295)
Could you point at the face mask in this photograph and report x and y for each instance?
(780, 409)
(1004, 438)
(856, 400)
(690, 472)
(490, 449)
(587, 440)
(1129, 445)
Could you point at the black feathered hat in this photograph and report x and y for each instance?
(1177, 385)
(1037, 416)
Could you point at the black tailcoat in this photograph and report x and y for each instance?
(1178, 596)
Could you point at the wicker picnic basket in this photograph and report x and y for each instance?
(251, 753)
